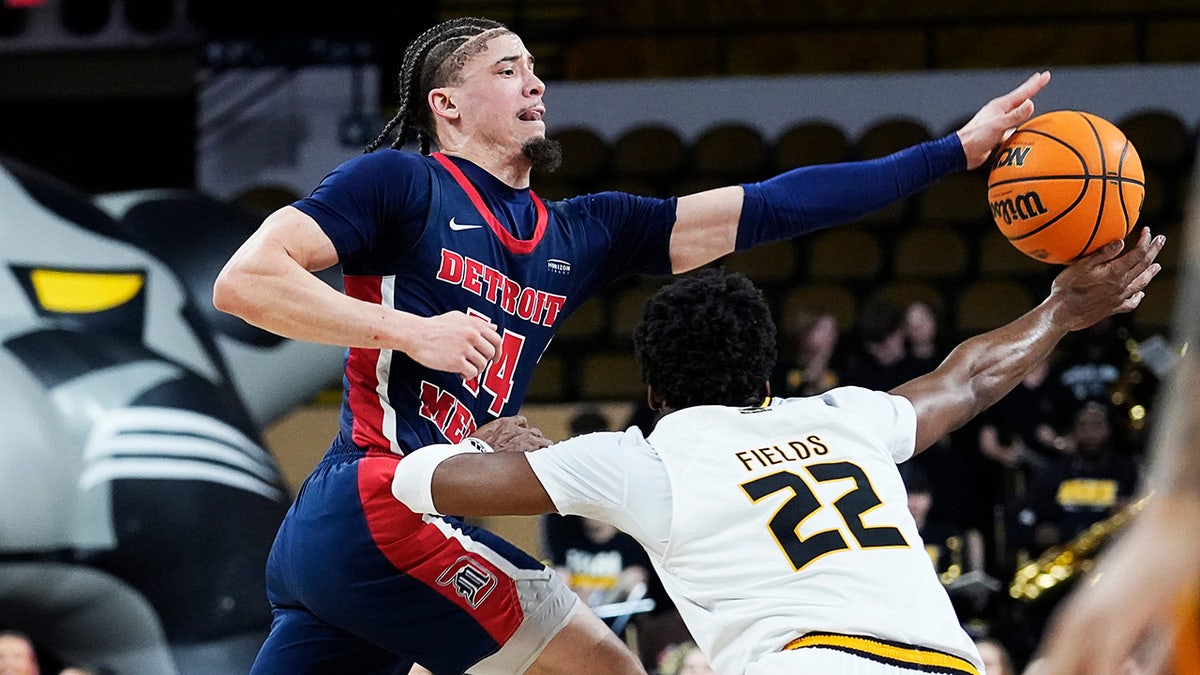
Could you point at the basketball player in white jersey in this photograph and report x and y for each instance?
(780, 528)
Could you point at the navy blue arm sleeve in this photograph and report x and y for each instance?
(810, 198)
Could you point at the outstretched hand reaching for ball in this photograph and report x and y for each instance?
(1107, 282)
(995, 121)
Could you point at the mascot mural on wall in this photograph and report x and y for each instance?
(139, 501)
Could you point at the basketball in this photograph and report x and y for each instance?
(1065, 184)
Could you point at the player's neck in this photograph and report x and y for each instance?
(509, 168)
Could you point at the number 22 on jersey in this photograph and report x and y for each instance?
(851, 506)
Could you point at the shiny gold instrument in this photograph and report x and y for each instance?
(1058, 566)
(1121, 392)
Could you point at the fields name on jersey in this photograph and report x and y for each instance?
(792, 451)
(491, 284)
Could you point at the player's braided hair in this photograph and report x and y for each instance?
(707, 338)
(431, 61)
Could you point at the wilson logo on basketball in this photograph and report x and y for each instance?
(1021, 207)
(1014, 156)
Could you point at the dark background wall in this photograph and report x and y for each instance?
(102, 92)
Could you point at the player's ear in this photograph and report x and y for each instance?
(441, 102)
(653, 400)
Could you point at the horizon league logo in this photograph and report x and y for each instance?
(470, 581)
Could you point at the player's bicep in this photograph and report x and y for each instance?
(490, 484)
(301, 238)
(706, 225)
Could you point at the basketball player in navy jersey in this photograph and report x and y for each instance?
(456, 276)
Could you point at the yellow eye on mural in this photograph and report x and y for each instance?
(70, 292)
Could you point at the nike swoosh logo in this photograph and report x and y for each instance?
(458, 227)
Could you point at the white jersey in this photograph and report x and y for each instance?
(766, 524)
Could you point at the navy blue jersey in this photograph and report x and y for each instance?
(428, 235)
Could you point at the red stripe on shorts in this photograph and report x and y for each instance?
(424, 552)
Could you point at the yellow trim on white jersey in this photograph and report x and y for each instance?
(893, 653)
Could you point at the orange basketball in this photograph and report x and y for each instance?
(1065, 184)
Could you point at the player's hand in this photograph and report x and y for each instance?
(511, 434)
(455, 342)
(1106, 282)
(995, 121)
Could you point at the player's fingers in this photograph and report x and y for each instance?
(489, 333)
(1142, 280)
(1156, 244)
(1131, 302)
(1103, 254)
(485, 347)
(520, 420)
(1027, 89)
(478, 360)
(1019, 114)
(1144, 251)
(467, 369)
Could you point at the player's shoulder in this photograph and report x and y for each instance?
(610, 201)
(850, 399)
(387, 162)
(590, 201)
(391, 160)
(850, 396)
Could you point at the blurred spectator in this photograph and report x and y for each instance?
(921, 334)
(1081, 488)
(1091, 361)
(586, 421)
(878, 359)
(17, 654)
(1018, 431)
(1102, 363)
(806, 358)
(996, 659)
(684, 659)
(600, 563)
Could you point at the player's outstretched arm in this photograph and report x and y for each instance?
(269, 283)
(986, 367)
(717, 222)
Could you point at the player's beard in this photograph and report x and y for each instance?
(544, 154)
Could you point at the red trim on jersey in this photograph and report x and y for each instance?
(519, 246)
(424, 552)
(361, 371)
